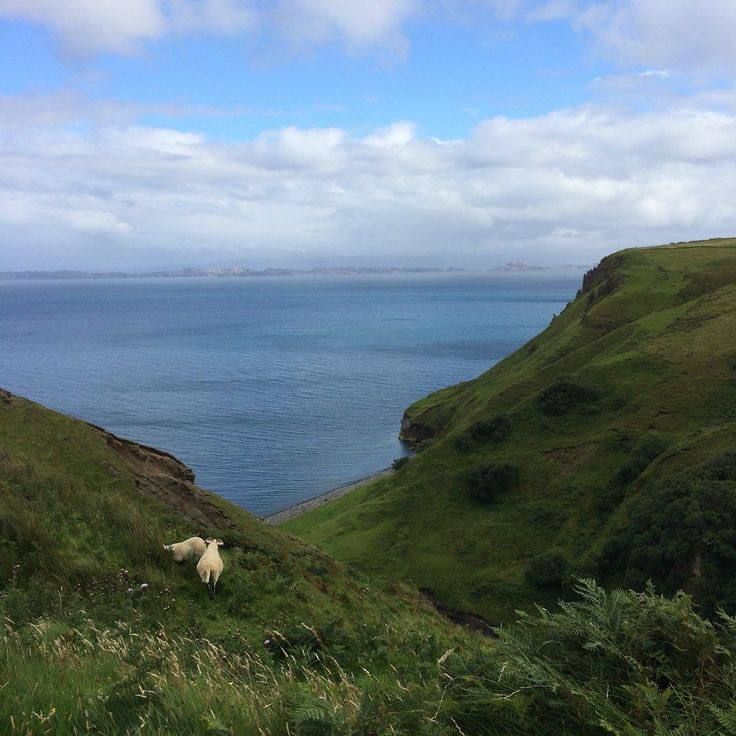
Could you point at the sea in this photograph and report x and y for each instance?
(272, 389)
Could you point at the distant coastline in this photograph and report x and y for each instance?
(239, 272)
(204, 273)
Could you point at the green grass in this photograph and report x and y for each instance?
(619, 663)
(654, 335)
(295, 643)
(87, 649)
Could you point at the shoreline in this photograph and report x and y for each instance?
(291, 512)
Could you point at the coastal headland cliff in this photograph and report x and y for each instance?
(602, 447)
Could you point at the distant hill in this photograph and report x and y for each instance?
(518, 266)
(523, 267)
(225, 272)
(604, 447)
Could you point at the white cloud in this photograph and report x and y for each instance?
(570, 185)
(552, 10)
(659, 73)
(85, 27)
(692, 37)
(226, 17)
(393, 136)
(697, 37)
(88, 26)
(359, 23)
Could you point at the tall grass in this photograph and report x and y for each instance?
(87, 679)
(91, 680)
(620, 663)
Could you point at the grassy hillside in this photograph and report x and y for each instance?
(103, 633)
(86, 648)
(601, 447)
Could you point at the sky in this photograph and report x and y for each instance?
(167, 133)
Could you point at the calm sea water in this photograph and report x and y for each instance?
(275, 389)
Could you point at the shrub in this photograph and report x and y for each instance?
(563, 395)
(648, 449)
(682, 534)
(488, 482)
(399, 462)
(424, 444)
(610, 497)
(605, 663)
(546, 571)
(496, 429)
(464, 442)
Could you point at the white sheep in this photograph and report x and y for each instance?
(210, 565)
(192, 547)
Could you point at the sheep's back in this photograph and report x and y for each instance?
(197, 545)
(210, 560)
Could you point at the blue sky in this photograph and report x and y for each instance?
(451, 76)
(176, 132)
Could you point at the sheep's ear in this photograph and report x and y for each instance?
(220, 543)
(208, 540)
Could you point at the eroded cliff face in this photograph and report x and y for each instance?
(413, 430)
(159, 475)
(156, 473)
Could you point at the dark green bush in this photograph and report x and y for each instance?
(682, 535)
(606, 663)
(648, 449)
(464, 442)
(563, 395)
(496, 429)
(641, 457)
(399, 462)
(547, 571)
(424, 444)
(611, 497)
(487, 483)
(629, 471)
(722, 467)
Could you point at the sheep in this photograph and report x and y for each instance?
(210, 565)
(194, 546)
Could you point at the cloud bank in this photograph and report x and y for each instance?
(694, 37)
(83, 182)
(570, 185)
(87, 27)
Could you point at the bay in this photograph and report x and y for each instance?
(272, 389)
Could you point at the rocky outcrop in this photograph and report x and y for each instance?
(159, 475)
(414, 431)
(607, 269)
(156, 473)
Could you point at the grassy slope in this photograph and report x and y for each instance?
(655, 333)
(72, 507)
(78, 507)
